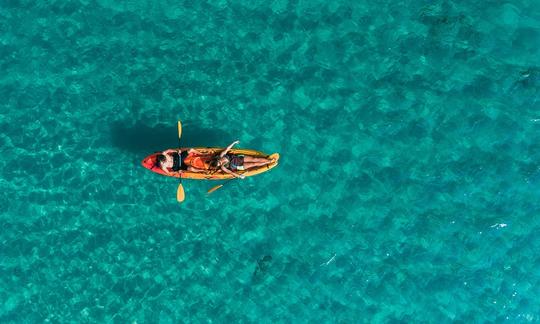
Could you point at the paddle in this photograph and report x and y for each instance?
(219, 186)
(180, 195)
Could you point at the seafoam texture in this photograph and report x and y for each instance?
(407, 190)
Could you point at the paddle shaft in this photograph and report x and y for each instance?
(179, 147)
(180, 195)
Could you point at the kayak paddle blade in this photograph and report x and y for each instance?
(180, 195)
(214, 188)
(179, 129)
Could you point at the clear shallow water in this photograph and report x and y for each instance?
(408, 187)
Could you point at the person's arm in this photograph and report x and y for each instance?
(194, 151)
(165, 169)
(169, 151)
(225, 151)
(224, 169)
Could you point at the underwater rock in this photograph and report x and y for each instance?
(262, 265)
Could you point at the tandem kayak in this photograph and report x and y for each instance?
(149, 163)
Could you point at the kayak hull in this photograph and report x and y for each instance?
(149, 163)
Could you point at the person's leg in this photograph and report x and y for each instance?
(250, 159)
(192, 169)
(249, 165)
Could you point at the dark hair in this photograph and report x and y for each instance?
(214, 161)
(160, 158)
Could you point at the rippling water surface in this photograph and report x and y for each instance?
(408, 187)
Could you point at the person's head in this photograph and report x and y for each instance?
(160, 159)
(218, 161)
(223, 161)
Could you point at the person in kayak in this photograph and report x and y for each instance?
(171, 161)
(229, 163)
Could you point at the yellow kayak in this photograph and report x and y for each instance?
(149, 163)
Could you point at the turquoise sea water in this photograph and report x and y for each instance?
(408, 188)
